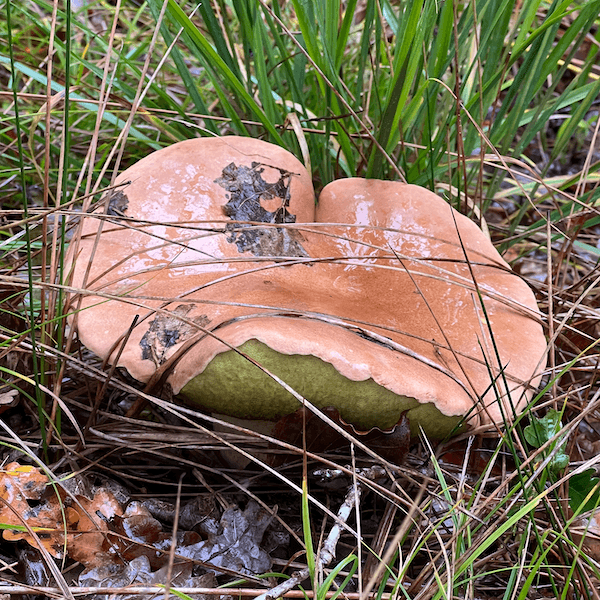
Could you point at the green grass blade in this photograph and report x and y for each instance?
(307, 531)
(219, 66)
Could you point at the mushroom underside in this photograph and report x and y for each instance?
(233, 385)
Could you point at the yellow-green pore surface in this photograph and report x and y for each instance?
(234, 386)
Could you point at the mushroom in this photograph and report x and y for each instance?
(383, 303)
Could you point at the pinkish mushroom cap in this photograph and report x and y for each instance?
(368, 306)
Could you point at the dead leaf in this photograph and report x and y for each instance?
(23, 488)
(128, 545)
(9, 399)
(392, 445)
(236, 546)
(89, 520)
(31, 500)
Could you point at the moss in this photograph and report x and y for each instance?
(232, 385)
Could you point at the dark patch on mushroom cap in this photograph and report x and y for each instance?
(117, 204)
(166, 330)
(247, 188)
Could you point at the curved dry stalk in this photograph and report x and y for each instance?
(327, 553)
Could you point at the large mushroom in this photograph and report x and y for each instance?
(383, 302)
